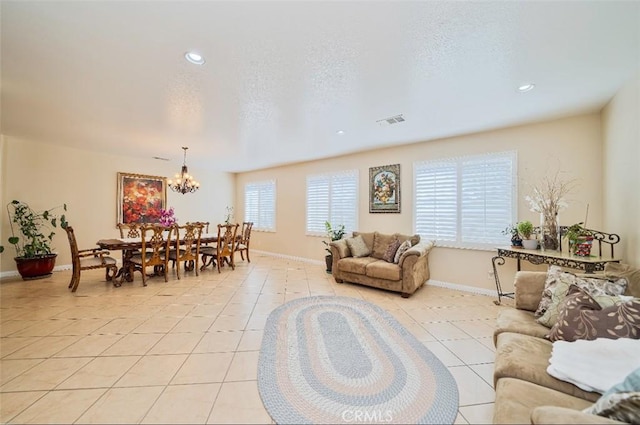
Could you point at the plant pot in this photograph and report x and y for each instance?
(582, 246)
(36, 267)
(329, 260)
(530, 243)
(516, 243)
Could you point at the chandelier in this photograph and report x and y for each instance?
(184, 183)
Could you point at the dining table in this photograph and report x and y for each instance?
(129, 246)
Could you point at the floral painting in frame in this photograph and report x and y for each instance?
(140, 198)
(384, 189)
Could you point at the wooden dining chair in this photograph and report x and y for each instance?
(187, 247)
(225, 247)
(156, 244)
(243, 241)
(88, 259)
(129, 230)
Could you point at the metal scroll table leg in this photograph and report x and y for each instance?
(497, 260)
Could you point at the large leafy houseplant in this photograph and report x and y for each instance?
(334, 234)
(32, 234)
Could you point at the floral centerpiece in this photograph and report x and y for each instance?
(167, 217)
(548, 199)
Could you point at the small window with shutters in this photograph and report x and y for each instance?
(333, 198)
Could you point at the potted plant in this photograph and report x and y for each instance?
(334, 235)
(525, 228)
(580, 239)
(31, 235)
(512, 230)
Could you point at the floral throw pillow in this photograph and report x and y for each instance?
(549, 286)
(391, 250)
(581, 317)
(605, 292)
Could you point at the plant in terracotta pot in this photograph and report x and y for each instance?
(580, 239)
(334, 234)
(31, 235)
(525, 228)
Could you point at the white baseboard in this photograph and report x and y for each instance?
(463, 288)
(14, 273)
(290, 257)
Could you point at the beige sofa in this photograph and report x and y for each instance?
(411, 272)
(525, 392)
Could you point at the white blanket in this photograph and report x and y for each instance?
(594, 365)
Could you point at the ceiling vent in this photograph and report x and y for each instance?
(391, 120)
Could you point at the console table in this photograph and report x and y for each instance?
(590, 264)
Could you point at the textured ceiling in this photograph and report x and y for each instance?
(282, 77)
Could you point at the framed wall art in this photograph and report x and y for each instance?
(140, 198)
(384, 189)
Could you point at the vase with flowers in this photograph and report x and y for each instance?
(548, 199)
(167, 217)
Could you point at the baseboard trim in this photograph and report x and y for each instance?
(14, 273)
(463, 288)
(290, 257)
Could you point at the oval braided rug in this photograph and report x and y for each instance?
(334, 360)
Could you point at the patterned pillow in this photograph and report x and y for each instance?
(559, 280)
(358, 247)
(616, 271)
(343, 248)
(401, 250)
(549, 285)
(604, 291)
(581, 317)
(390, 253)
(623, 407)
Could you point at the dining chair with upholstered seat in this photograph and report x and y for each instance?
(156, 244)
(129, 230)
(88, 259)
(225, 247)
(243, 241)
(187, 247)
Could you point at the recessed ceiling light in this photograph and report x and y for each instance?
(526, 87)
(194, 57)
(340, 132)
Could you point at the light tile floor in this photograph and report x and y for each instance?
(186, 351)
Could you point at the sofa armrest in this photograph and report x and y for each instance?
(563, 415)
(528, 289)
(420, 249)
(415, 266)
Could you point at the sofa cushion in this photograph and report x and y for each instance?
(526, 357)
(355, 265)
(404, 247)
(358, 247)
(390, 253)
(343, 248)
(581, 317)
(515, 400)
(382, 270)
(380, 244)
(519, 321)
(632, 275)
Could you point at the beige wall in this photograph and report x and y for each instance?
(45, 176)
(571, 144)
(621, 175)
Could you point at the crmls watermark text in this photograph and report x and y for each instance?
(368, 416)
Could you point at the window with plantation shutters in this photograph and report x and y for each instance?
(260, 205)
(467, 201)
(333, 198)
